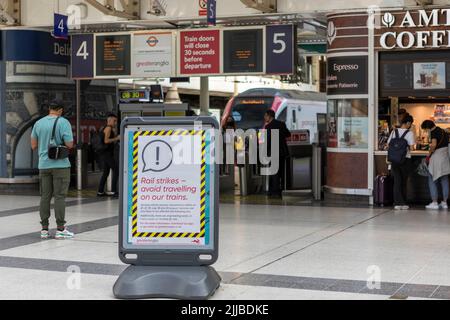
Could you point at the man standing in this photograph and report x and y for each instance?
(54, 175)
(107, 156)
(276, 181)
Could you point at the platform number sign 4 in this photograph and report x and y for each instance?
(82, 56)
(82, 51)
(60, 28)
(280, 49)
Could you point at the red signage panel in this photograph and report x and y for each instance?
(199, 52)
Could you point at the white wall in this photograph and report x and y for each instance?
(327, 5)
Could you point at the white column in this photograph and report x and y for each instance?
(372, 103)
(204, 95)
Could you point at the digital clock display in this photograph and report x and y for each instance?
(134, 96)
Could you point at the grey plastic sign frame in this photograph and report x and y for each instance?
(162, 256)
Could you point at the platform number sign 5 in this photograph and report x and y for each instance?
(82, 56)
(279, 39)
(280, 49)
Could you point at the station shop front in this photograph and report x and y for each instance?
(377, 66)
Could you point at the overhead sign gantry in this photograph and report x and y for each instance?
(255, 50)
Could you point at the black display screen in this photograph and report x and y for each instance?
(113, 55)
(243, 51)
(398, 77)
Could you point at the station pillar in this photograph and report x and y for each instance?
(204, 95)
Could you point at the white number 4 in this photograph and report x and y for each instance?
(61, 25)
(278, 41)
(82, 51)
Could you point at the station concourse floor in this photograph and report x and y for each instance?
(304, 251)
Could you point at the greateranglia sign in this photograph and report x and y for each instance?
(418, 29)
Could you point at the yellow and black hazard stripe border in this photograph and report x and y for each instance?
(135, 188)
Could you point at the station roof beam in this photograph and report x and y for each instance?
(9, 12)
(266, 6)
(130, 8)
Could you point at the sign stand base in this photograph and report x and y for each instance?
(174, 282)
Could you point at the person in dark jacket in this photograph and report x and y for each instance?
(276, 181)
(108, 158)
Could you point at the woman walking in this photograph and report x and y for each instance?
(439, 165)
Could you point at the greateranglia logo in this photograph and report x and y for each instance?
(152, 41)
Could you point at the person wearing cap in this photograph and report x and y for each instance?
(54, 175)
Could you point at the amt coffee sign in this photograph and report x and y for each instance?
(347, 75)
(419, 29)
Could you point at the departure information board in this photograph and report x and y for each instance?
(243, 51)
(113, 55)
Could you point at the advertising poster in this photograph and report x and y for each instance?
(429, 75)
(332, 133)
(353, 132)
(199, 52)
(441, 114)
(169, 191)
(153, 55)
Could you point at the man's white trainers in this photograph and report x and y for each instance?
(444, 205)
(405, 207)
(433, 206)
(45, 234)
(66, 234)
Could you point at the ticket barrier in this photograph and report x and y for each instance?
(304, 167)
(250, 179)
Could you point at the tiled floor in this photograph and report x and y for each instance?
(266, 252)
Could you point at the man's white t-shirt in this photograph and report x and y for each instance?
(409, 137)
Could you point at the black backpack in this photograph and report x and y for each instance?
(98, 141)
(398, 148)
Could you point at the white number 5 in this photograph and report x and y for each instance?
(82, 51)
(278, 41)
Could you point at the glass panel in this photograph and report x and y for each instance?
(332, 124)
(353, 123)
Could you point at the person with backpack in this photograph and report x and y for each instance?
(104, 145)
(52, 136)
(438, 165)
(401, 142)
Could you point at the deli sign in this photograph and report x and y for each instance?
(419, 29)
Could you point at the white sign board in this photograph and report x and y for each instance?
(169, 202)
(153, 54)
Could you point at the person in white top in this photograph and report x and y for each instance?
(401, 172)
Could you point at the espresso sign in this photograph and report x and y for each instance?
(347, 75)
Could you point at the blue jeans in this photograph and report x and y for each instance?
(433, 185)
